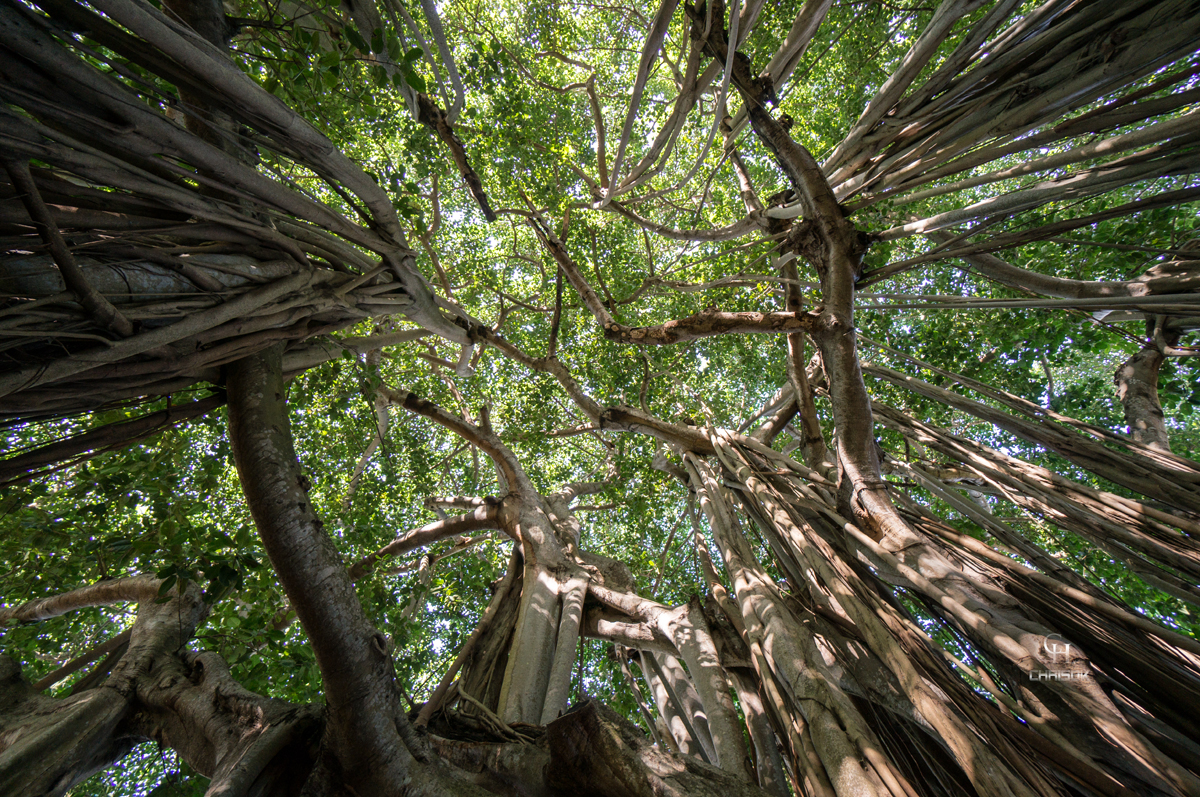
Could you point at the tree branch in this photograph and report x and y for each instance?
(134, 588)
(98, 307)
(106, 438)
(485, 517)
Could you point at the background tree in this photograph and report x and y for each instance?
(489, 329)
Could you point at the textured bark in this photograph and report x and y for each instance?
(694, 640)
(862, 492)
(137, 185)
(247, 744)
(708, 324)
(1137, 389)
(833, 637)
(566, 643)
(438, 121)
(485, 625)
(252, 746)
(771, 627)
(769, 769)
(594, 752)
(96, 305)
(527, 676)
(367, 727)
(836, 253)
(677, 723)
(48, 746)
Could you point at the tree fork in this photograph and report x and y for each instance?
(248, 744)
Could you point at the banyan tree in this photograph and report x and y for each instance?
(579, 398)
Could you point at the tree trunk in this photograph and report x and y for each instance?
(151, 690)
(1137, 389)
(367, 734)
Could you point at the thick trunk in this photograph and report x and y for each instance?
(253, 746)
(565, 649)
(367, 730)
(770, 627)
(46, 745)
(768, 763)
(247, 744)
(531, 657)
(694, 640)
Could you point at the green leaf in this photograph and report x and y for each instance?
(415, 80)
(356, 39)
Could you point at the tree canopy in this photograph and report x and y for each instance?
(600, 398)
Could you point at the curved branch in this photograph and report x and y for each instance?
(600, 623)
(701, 325)
(100, 308)
(1165, 278)
(438, 121)
(134, 588)
(485, 517)
(729, 232)
(478, 436)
